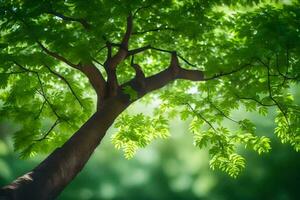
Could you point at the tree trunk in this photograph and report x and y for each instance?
(50, 177)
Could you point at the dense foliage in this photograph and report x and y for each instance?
(248, 50)
(174, 169)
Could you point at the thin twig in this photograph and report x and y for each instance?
(57, 56)
(96, 61)
(201, 116)
(257, 101)
(140, 8)
(82, 21)
(274, 100)
(284, 75)
(219, 110)
(227, 73)
(67, 82)
(149, 47)
(41, 110)
(42, 93)
(153, 30)
(186, 61)
(100, 49)
(49, 131)
(48, 102)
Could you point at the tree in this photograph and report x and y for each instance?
(61, 61)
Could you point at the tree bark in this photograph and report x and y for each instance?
(50, 177)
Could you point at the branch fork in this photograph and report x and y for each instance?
(110, 88)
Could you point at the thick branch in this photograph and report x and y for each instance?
(148, 47)
(166, 76)
(53, 174)
(138, 50)
(128, 32)
(123, 50)
(112, 62)
(163, 78)
(112, 83)
(90, 70)
(93, 74)
(192, 75)
(138, 70)
(139, 74)
(96, 79)
(108, 46)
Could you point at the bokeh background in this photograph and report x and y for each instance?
(171, 169)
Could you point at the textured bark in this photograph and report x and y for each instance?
(49, 178)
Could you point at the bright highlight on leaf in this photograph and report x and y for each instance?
(137, 131)
(201, 60)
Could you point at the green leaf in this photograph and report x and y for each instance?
(133, 95)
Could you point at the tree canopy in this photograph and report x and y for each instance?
(248, 52)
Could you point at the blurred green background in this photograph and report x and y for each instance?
(171, 169)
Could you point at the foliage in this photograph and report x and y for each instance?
(137, 131)
(249, 51)
(174, 169)
(131, 92)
